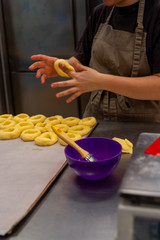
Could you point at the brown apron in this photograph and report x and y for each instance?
(123, 54)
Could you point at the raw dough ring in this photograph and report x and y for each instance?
(71, 121)
(44, 127)
(54, 119)
(73, 136)
(5, 117)
(46, 139)
(66, 64)
(80, 129)
(88, 121)
(21, 117)
(9, 133)
(24, 125)
(37, 118)
(7, 124)
(30, 134)
(63, 127)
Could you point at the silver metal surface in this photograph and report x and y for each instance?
(91, 205)
(143, 174)
(137, 222)
(90, 158)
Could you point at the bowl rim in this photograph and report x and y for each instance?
(101, 161)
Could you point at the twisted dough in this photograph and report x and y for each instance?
(63, 127)
(9, 133)
(57, 119)
(59, 70)
(71, 121)
(24, 125)
(21, 117)
(80, 129)
(44, 127)
(46, 139)
(37, 118)
(73, 136)
(7, 124)
(88, 121)
(5, 117)
(30, 134)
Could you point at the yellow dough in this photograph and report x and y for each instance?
(59, 70)
(30, 134)
(37, 118)
(54, 119)
(5, 117)
(73, 136)
(43, 127)
(24, 125)
(63, 127)
(7, 124)
(80, 129)
(71, 121)
(88, 121)
(127, 146)
(46, 139)
(9, 133)
(21, 117)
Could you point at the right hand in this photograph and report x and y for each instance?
(45, 65)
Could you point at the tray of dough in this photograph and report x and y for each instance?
(27, 170)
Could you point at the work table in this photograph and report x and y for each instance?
(77, 209)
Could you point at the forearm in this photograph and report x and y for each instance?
(142, 88)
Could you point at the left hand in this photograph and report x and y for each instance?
(84, 80)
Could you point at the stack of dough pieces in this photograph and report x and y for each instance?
(127, 146)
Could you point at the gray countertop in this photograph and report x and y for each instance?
(76, 209)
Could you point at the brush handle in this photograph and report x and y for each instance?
(69, 141)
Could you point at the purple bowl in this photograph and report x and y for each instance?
(105, 150)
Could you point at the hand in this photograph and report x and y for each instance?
(84, 80)
(45, 65)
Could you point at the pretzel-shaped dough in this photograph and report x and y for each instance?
(80, 129)
(21, 117)
(71, 121)
(73, 136)
(24, 125)
(30, 134)
(59, 70)
(44, 127)
(37, 118)
(5, 117)
(46, 139)
(88, 121)
(63, 127)
(54, 119)
(9, 133)
(7, 124)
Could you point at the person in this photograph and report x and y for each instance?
(117, 59)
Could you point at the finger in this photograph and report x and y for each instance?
(73, 97)
(40, 57)
(37, 65)
(40, 72)
(43, 57)
(66, 92)
(72, 74)
(43, 78)
(79, 66)
(63, 83)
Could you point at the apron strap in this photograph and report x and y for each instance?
(138, 39)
